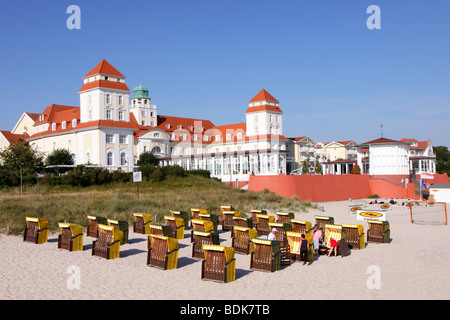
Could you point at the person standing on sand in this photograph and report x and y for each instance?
(316, 240)
(303, 250)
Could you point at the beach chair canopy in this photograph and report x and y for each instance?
(263, 223)
(202, 225)
(301, 226)
(183, 215)
(378, 231)
(266, 255)
(219, 263)
(214, 218)
(177, 225)
(284, 217)
(71, 237)
(241, 241)
(163, 252)
(122, 225)
(36, 230)
(355, 235)
(321, 221)
(94, 221)
(333, 231)
(142, 223)
(108, 243)
(199, 239)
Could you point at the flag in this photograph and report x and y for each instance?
(423, 184)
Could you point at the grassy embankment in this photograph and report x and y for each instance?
(119, 201)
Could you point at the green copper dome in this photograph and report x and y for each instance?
(140, 92)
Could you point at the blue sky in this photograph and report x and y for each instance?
(335, 79)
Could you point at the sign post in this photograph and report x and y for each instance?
(137, 177)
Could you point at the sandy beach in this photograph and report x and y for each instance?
(413, 266)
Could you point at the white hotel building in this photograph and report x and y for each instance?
(113, 126)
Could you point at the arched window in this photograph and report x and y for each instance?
(87, 157)
(156, 149)
(123, 159)
(109, 158)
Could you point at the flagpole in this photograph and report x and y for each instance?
(420, 189)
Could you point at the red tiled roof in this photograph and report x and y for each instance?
(13, 138)
(383, 141)
(421, 145)
(263, 95)
(104, 84)
(50, 112)
(33, 116)
(265, 107)
(105, 68)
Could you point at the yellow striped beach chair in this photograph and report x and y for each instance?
(355, 235)
(36, 230)
(163, 252)
(284, 217)
(263, 223)
(71, 237)
(219, 263)
(321, 221)
(242, 240)
(266, 255)
(107, 244)
(301, 226)
(141, 223)
(177, 226)
(201, 238)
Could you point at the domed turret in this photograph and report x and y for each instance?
(140, 92)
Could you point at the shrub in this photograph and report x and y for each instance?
(201, 173)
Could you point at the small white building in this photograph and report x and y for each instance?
(440, 192)
(386, 157)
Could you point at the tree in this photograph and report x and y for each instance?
(147, 158)
(305, 167)
(60, 157)
(356, 169)
(318, 168)
(442, 159)
(21, 155)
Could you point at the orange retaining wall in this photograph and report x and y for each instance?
(322, 188)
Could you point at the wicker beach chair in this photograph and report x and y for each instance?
(107, 244)
(36, 230)
(301, 226)
(141, 223)
(177, 225)
(195, 212)
(201, 225)
(242, 240)
(254, 212)
(94, 221)
(214, 218)
(199, 239)
(241, 222)
(378, 231)
(280, 235)
(333, 231)
(71, 237)
(227, 219)
(355, 235)
(321, 221)
(122, 226)
(267, 256)
(183, 215)
(219, 263)
(263, 223)
(294, 240)
(222, 209)
(163, 252)
(284, 217)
